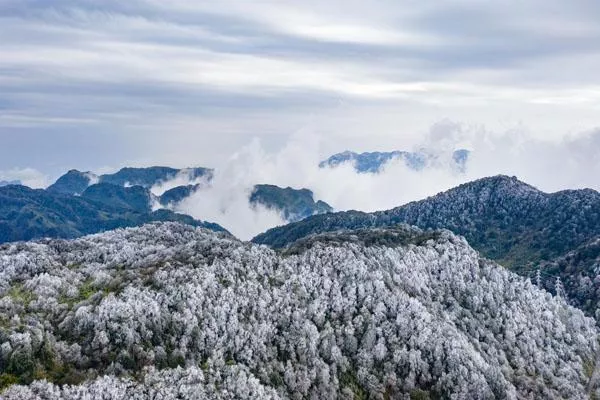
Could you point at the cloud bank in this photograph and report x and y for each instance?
(569, 163)
(27, 176)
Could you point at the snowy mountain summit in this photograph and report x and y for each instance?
(171, 311)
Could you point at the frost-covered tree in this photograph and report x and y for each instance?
(170, 311)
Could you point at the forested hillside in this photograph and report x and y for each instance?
(27, 214)
(293, 204)
(130, 188)
(75, 182)
(543, 236)
(171, 311)
(502, 217)
(575, 275)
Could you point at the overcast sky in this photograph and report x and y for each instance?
(101, 84)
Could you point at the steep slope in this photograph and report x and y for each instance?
(507, 220)
(73, 182)
(177, 194)
(294, 204)
(578, 274)
(395, 313)
(28, 214)
(135, 198)
(373, 162)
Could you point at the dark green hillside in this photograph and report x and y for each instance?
(135, 198)
(294, 204)
(73, 182)
(150, 176)
(29, 214)
(177, 194)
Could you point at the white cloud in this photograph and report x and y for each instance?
(183, 178)
(549, 165)
(226, 200)
(27, 176)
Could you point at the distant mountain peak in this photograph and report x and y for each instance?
(27, 213)
(177, 194)
(75, 182)
(151, 176)
(501, 184)
(374, 162)
(504, 218)
(294, 204)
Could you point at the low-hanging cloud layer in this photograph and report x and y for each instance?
(25, 176)
(570, 163)
(573, 162)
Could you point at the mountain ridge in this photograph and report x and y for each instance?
(27, 213)
(183, 312)
(504, 200)
(9, 182)
(136, 198)
(374, 162)
(526, 230)
(294, 204)
(75, 182)
(477, 210)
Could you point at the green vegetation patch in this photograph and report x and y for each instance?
(86, 291)
(21, 295)
(348, 379)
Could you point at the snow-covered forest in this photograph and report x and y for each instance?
(170, 311)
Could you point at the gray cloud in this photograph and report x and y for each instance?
(89, 84)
